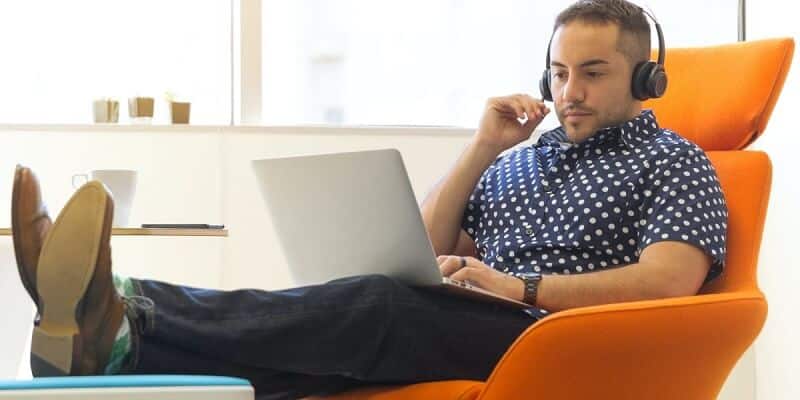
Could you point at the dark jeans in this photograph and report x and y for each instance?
(319, 339)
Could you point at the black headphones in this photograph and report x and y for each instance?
(649, 79)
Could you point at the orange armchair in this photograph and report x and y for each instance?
(679, 348)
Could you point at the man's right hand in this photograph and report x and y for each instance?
(499, 128)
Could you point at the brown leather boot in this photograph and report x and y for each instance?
(29, 226)
(80, 310)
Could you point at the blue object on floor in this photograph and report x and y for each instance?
(156, 387)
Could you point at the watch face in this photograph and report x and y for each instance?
(532, 276)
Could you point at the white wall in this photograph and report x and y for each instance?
(179, 180)
(776, 352)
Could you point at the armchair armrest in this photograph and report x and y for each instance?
(677, 348)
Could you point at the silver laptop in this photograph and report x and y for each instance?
(347, 214)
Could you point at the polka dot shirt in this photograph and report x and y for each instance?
(562, 208)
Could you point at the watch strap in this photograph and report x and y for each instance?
(531, 282)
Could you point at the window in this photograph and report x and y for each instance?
(354, 62)
(60, 55)
(426, 62)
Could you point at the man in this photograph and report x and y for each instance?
(606, 208)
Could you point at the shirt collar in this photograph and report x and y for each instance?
(555, 137)
(638, 130)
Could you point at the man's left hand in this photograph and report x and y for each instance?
(475, 272)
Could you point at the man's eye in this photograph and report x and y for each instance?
(593, 74)
(560, 75)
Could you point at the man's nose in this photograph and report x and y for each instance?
(573, 90)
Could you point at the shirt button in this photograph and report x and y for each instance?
(529, 232)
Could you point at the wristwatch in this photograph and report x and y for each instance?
(531, 281)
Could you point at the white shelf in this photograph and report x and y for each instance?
(153, 232)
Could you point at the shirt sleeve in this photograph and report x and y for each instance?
(683, 201)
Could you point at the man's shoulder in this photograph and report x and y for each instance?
(514, 154)
(670, 144)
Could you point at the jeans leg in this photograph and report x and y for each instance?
(269, 384)
(366, 328)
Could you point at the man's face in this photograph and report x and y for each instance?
(590, 79)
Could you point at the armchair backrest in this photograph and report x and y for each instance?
(721, 98)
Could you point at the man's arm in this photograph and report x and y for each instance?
(499, 130)
(665, 269)
(681, 236)
(444, 206)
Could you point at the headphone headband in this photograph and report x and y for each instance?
(659, 33)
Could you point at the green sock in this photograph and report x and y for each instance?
(124, 285)
(122, 343)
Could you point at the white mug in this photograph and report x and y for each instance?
(122, 185)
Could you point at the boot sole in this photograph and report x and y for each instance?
(66, 266)
(15, 223)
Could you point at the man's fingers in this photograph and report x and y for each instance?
(519, 106)
(544, 109)
(463, 274)
(472, 261)
(537, 107)
(471, 274)
(529, 103)
(531, 111)
(449, 265)
(510, 107)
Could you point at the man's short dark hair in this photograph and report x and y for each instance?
(634, 30)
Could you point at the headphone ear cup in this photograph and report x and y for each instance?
(640, 78)
(544, 86)
(649, 81)
(657, 82)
